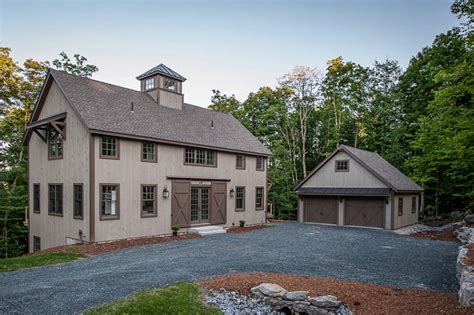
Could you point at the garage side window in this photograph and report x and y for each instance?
(413, 204)
(342, 165)
(400, 206)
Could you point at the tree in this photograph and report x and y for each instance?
(79, 67)
(464, 9)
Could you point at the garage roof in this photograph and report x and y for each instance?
(340, 191)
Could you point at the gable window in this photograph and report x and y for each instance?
(150, 84)
(240, 161)
(342, 165)
(171, 84)
(195, 156)
(109, 201)
(36, 243)
(55, 206)
(400, 206)
(413, 204)
(149, 152)
(259, 198)
(239, 198)
(78, 194)
(149, 200)
(109, 148)
(36, 198)
(260, 163)
(55, 145)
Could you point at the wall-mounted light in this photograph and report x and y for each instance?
(166, 192)
(231, 192)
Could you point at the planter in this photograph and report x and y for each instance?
(175, 233)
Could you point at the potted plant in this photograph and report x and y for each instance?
(242, 223)
(175, 230)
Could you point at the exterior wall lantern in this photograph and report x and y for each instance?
(231, 192)
(166, 192)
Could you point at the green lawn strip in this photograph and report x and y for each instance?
(15, 263)
(180, 298)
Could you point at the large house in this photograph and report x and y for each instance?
(358, 188)
(108, 162)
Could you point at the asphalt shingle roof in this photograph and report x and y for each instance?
(106, 107)
(164, 70)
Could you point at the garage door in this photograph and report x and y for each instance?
(321, 209)
(364, 212)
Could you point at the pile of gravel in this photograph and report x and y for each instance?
(233, 303)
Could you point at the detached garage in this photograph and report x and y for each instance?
(358, 188)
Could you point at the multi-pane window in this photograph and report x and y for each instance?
(342, 165)
(196, 156)
(55, 199)
(55, 145)
(413, 204)
(239, 198)
(36, 198)
(400, 206)
(109, 148)
(78, 195)
(259, 198)
(149, 152)
(36, 243)
(148, 200)
(240, 161)
(149, 84)
(260, 163)
(171, 84)
(109, 199)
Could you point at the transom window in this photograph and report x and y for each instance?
(413, 204)
(171, 84)
(259, 198)
(260, 163)
(78, 201)
(239, 198)
(109, 148)
(55, 199)
(149, 84)
(149, 152)
(36, 198)
(109, 201)
(195, 156)
(342, 165)
(400, 206)
(148, 200)
(55, 145)
(240, 161)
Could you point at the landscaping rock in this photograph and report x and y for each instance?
(296, 295)
(269, 289)
(300, 306)
(469, 219)
(465, 274)
(232, 303)
(325, 301)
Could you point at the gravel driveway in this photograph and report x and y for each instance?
(367, 255)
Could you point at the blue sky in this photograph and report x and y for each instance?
(232, 46)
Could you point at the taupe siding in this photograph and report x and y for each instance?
(408, 217)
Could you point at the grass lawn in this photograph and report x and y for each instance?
(15, 263)
(181, 298)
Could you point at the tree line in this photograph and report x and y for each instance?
(420, 119)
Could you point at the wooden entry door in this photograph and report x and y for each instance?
(200, 204)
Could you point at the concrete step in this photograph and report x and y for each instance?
(207, 230)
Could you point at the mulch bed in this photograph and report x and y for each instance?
(447, 235)
(361, 298)
(100, 248)
(238, 229)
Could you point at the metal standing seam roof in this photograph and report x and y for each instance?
(164, 70)
(342, 191)
(105, 107)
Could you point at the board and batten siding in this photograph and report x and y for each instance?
(130, 172)
(408, 218)
(357, 176)
(72, 168)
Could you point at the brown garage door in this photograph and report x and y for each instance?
(364, 211)
(321, 209)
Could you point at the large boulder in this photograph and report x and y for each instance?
(325, 301)
(296, 295)
(469, 219)
(269, 289)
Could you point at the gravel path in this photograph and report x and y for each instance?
(367, 255)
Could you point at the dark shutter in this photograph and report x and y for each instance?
(218, 203)
(181, 203)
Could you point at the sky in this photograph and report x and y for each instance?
(232, 46)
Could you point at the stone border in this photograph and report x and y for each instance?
(465, 273)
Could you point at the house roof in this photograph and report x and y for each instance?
(106, 108)
(378, 166)
(343, 191)
(164, 70)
